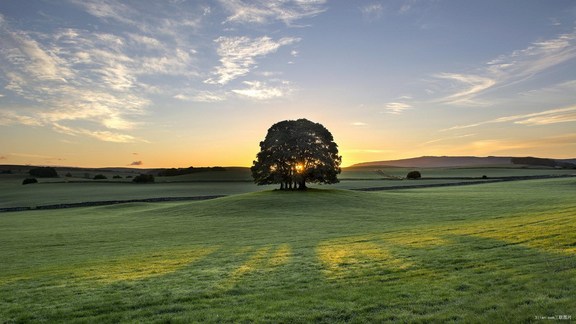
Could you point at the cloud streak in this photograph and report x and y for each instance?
(472, 85)
(397, 107)
(553, 116)
(268, 11)
(71, 76)
(509, 69)
(238, 55)
(516, 146)
(262, 91)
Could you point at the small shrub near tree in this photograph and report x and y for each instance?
(29, 181)
(143, 178)
(68, 175)
(413, 175)
(117, 177)
(100, 177)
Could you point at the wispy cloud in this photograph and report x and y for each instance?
(553, 116)
(106, 136)
(263, 91)
(516, 146)
(468, 87)
(166, 18)
(202, 96)
(238, 55)
(11, 117)
(372, 12)
(98, 82)
(359, 124)
(444, 139)
(397, 107)
(36, 156)
(508, 69)
(267, 11)
(75, 76)
(136, 163)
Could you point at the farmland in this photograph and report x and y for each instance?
(77, 189)
(499, 252)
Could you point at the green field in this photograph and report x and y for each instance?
(77, 189)
(502, 252)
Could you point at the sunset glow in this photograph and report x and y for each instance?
(99, 83)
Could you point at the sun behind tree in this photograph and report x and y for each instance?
(295, 152)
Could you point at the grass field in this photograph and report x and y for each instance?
(232, 181)
(501, 252)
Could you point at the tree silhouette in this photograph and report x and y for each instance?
(295, 152)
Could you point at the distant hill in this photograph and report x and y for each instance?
(447, 161)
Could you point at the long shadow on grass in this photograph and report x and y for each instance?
(488, 279)
(459, 278)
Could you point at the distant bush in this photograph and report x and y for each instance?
(29, 181)
(43, 172)
(543, 162)
(117, 177)
(143, 178)
(413, 175)
(68, 175)
(6, 172)
(100, 177)
(129, 177)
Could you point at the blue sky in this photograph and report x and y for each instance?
(180, 83)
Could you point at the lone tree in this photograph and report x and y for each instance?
(295, 152)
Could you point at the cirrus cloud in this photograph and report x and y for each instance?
(506, 70)
(238, 55)
(552, 116)
(267, 11)
(397, 107)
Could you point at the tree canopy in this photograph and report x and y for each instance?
(295, 152)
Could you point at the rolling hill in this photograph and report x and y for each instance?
(450, 161)
(495, 253)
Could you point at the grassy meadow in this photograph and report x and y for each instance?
(500, 253)
(78, 188)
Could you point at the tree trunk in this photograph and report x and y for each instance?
(302, 185)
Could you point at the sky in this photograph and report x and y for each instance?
(178, 83)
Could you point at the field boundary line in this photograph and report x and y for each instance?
(107, 202)
(170, 199)
(466, 183)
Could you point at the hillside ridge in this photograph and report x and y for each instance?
(450, 161)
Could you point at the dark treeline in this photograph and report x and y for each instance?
(543, 162)
(43, 172)
(182, 171)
